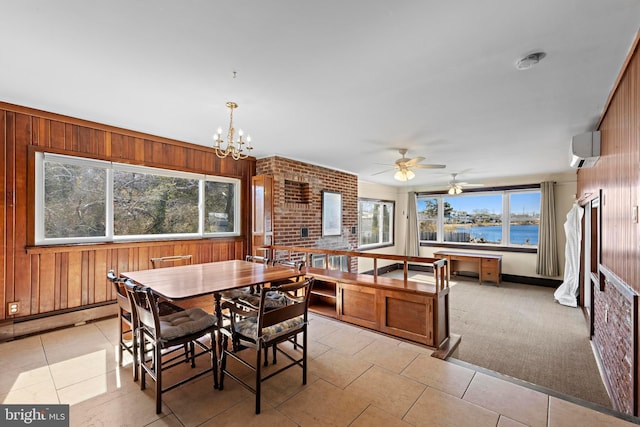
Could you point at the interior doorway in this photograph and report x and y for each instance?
(590, 257)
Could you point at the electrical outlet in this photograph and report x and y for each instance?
(13, 308)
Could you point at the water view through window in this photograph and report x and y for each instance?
(489, 218)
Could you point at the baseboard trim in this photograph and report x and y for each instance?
(26, 326)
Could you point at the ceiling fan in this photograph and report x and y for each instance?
(455, 186)
(403, 166)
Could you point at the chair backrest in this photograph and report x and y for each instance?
(121, 294)
(297, 306)
(257, 258)
(145, 305)
(173, 260)
(299, 265)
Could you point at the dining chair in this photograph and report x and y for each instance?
(261, 329)
(164, 333)
(126, 317)
(171, 261)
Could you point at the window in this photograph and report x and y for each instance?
(499, 218)
(375, 223)
(82, 200)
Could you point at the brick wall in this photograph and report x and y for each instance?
(298, 190)
(613, 338)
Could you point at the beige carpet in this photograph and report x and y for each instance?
(520, 331)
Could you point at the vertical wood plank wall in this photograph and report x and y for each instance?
(617, 174)
(48, 279)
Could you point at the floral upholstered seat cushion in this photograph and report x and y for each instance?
(249, 327)
(185, 323)
(272, 300)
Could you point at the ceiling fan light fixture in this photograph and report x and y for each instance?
(404, 175)
(454, 189)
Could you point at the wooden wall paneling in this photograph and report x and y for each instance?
(68, 137)
(46, 278)
(4, 194)
(22, 278)
(116, 142)
(57, 131)
(99, 271)
(86, 274)
(74, 279)
(10, 173)
(34, 304)
(63, 276)
(635, 143)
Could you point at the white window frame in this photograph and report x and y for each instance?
(391, 241)
(110, 167)
(506, 217)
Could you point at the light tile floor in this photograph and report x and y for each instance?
(356, 378)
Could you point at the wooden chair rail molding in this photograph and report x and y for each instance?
(412, 310)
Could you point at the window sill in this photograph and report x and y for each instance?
(369, 248)
(490, 248)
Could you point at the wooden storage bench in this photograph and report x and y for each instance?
(413, 310)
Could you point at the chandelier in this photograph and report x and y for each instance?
(404, 175)
(238, 148)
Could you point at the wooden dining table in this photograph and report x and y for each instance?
(188, 281)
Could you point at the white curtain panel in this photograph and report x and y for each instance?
(567, 292)
(412, 241)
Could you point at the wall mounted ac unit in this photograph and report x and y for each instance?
(585, 150)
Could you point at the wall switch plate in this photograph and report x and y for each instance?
(634, 214)
(13, 308)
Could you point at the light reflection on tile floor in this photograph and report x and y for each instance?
(356, 378)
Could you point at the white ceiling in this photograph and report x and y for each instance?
(337, 83)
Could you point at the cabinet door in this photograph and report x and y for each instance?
(358, 305)
(407, 316)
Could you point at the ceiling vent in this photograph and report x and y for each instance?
(585, 150)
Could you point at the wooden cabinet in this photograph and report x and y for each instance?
(358, 305)
(393, 311)
(262, 213)
(407, 316)
(323, 299)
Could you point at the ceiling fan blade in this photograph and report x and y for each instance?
(381, 172)
(466, 184)
(430, 166)
(413, 162)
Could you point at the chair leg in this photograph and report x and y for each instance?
(192, 352)
(258, 376)
(223, 360)
(214, 360)
(304, 355)
(274, 354)
(157, 366)
(143, 356)
(121, 333)
(134, 348)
